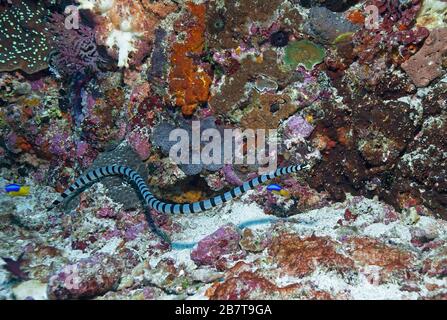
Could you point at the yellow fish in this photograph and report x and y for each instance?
(282, 192)
(15, 190)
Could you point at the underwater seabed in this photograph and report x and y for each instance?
(358, 249)
(356, 91)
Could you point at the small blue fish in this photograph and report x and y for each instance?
(274, 187)
(12, 188)
(15, 190)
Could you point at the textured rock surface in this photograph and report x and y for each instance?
(426, 65)
(219, 246)
(86, 279)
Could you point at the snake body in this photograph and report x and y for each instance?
(169, 208)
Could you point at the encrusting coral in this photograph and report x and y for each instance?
(189, 83)
(303, 53)
(24, 37)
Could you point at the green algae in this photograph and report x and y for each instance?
(303, 53)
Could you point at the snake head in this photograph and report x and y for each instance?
(306, 166)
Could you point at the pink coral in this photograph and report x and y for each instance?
(231, 176)
(85, 154)
(106, 212)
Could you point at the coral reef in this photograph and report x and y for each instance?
(115, 189)
(357, 100)
(162, 140)
(218, 247)
(87, 278)
(232, 93)
(395, 32)
(326, 25)
(225, 26)
(333, 5)
(433, 14)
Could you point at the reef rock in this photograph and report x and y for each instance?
(88, 278)
(426, 65)
(298, 127)
(214, 249)
(116, 190)
(326, 25)
(247, 285)
(300, 257)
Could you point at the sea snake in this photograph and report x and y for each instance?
(170, 208)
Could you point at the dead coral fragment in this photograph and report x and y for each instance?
(23, 37)
(304, 53)
(188, 83)
(426, 65)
